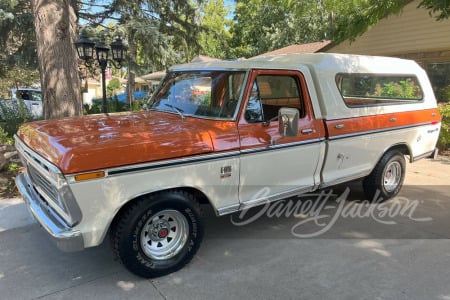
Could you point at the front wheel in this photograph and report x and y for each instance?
(158, 234)
(387, 177)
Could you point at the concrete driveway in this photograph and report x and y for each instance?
(400, 251)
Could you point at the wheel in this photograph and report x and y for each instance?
(158, 234)
(387, 177)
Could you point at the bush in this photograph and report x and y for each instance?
(114, 105)
(444, 136)
(4, 138)
(12, 115)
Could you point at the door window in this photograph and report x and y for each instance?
(269, 94)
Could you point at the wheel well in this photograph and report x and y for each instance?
(201, 198)
(402, 148)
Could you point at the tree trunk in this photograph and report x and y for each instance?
(55, 23)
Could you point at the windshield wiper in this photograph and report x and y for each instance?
(178, 110)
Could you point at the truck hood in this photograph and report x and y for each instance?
(104, 141)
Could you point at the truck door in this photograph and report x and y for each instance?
(32, 99)
(272, 166)
(36, 104)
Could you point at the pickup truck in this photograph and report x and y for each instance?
(29, 98)
(219, 133)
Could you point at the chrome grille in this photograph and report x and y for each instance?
(43, 184)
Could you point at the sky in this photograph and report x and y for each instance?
(232, 4)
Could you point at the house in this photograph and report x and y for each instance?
(154, 78)
(302, 48)
(413, 34)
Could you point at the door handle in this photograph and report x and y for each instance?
(307, 130)
(393, 119)
(339, 126)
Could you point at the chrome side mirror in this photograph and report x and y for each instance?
(288, 121)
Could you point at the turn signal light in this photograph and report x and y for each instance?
(89, 176)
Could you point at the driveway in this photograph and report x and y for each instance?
(342, 249)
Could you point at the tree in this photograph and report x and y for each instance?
(55, 24)
(18, 59)
(350, 21)
(215, 36)
(160, 33)
(254, 22)
(113, 86)
(263, 25)
(439, 8)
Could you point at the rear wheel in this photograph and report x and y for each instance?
(158, 234)
(387, 177)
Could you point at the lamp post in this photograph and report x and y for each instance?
(85, 49)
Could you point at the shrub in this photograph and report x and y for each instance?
(114, 105)
(444, 136)
(4, 138)
(12, 115)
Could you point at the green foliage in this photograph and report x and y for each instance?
(13, 115)
(215, 37)
(4, 138)
(18, 59)
(353, 18)
(443, 95)
(444, 136)
(400, 90)
(112, 87)
(114, 105)
(264, 25)
(13, 167)
(440, 9)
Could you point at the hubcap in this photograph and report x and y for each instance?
(164, 234)
(392, 176)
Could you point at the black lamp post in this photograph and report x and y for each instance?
(85, 49)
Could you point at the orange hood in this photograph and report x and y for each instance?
(104, 141)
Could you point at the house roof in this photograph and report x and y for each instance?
(202, 58)
(303, 48)
(154, 76)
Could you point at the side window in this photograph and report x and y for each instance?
(274, 92)
(378, 89)
(253, 111)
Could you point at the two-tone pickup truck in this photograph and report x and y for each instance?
(218, 133)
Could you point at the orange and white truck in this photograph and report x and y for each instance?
(218, 133)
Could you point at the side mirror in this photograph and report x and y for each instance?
(288, 121)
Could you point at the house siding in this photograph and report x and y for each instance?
(414, 31)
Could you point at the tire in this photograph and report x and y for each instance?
(158, 234)
(387, 177)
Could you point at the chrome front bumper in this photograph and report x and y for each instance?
(67, 239)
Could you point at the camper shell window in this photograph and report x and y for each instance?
(378, 89)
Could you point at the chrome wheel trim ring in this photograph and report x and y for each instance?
(392, 176)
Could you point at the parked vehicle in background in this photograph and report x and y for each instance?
(138, 95)
(32, 98)
(23, 98)
(230, 134)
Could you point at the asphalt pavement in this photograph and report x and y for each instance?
(342, 248)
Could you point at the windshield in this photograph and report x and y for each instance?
(211, 94)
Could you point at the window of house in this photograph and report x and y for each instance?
(378, 89)
(439, 74)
